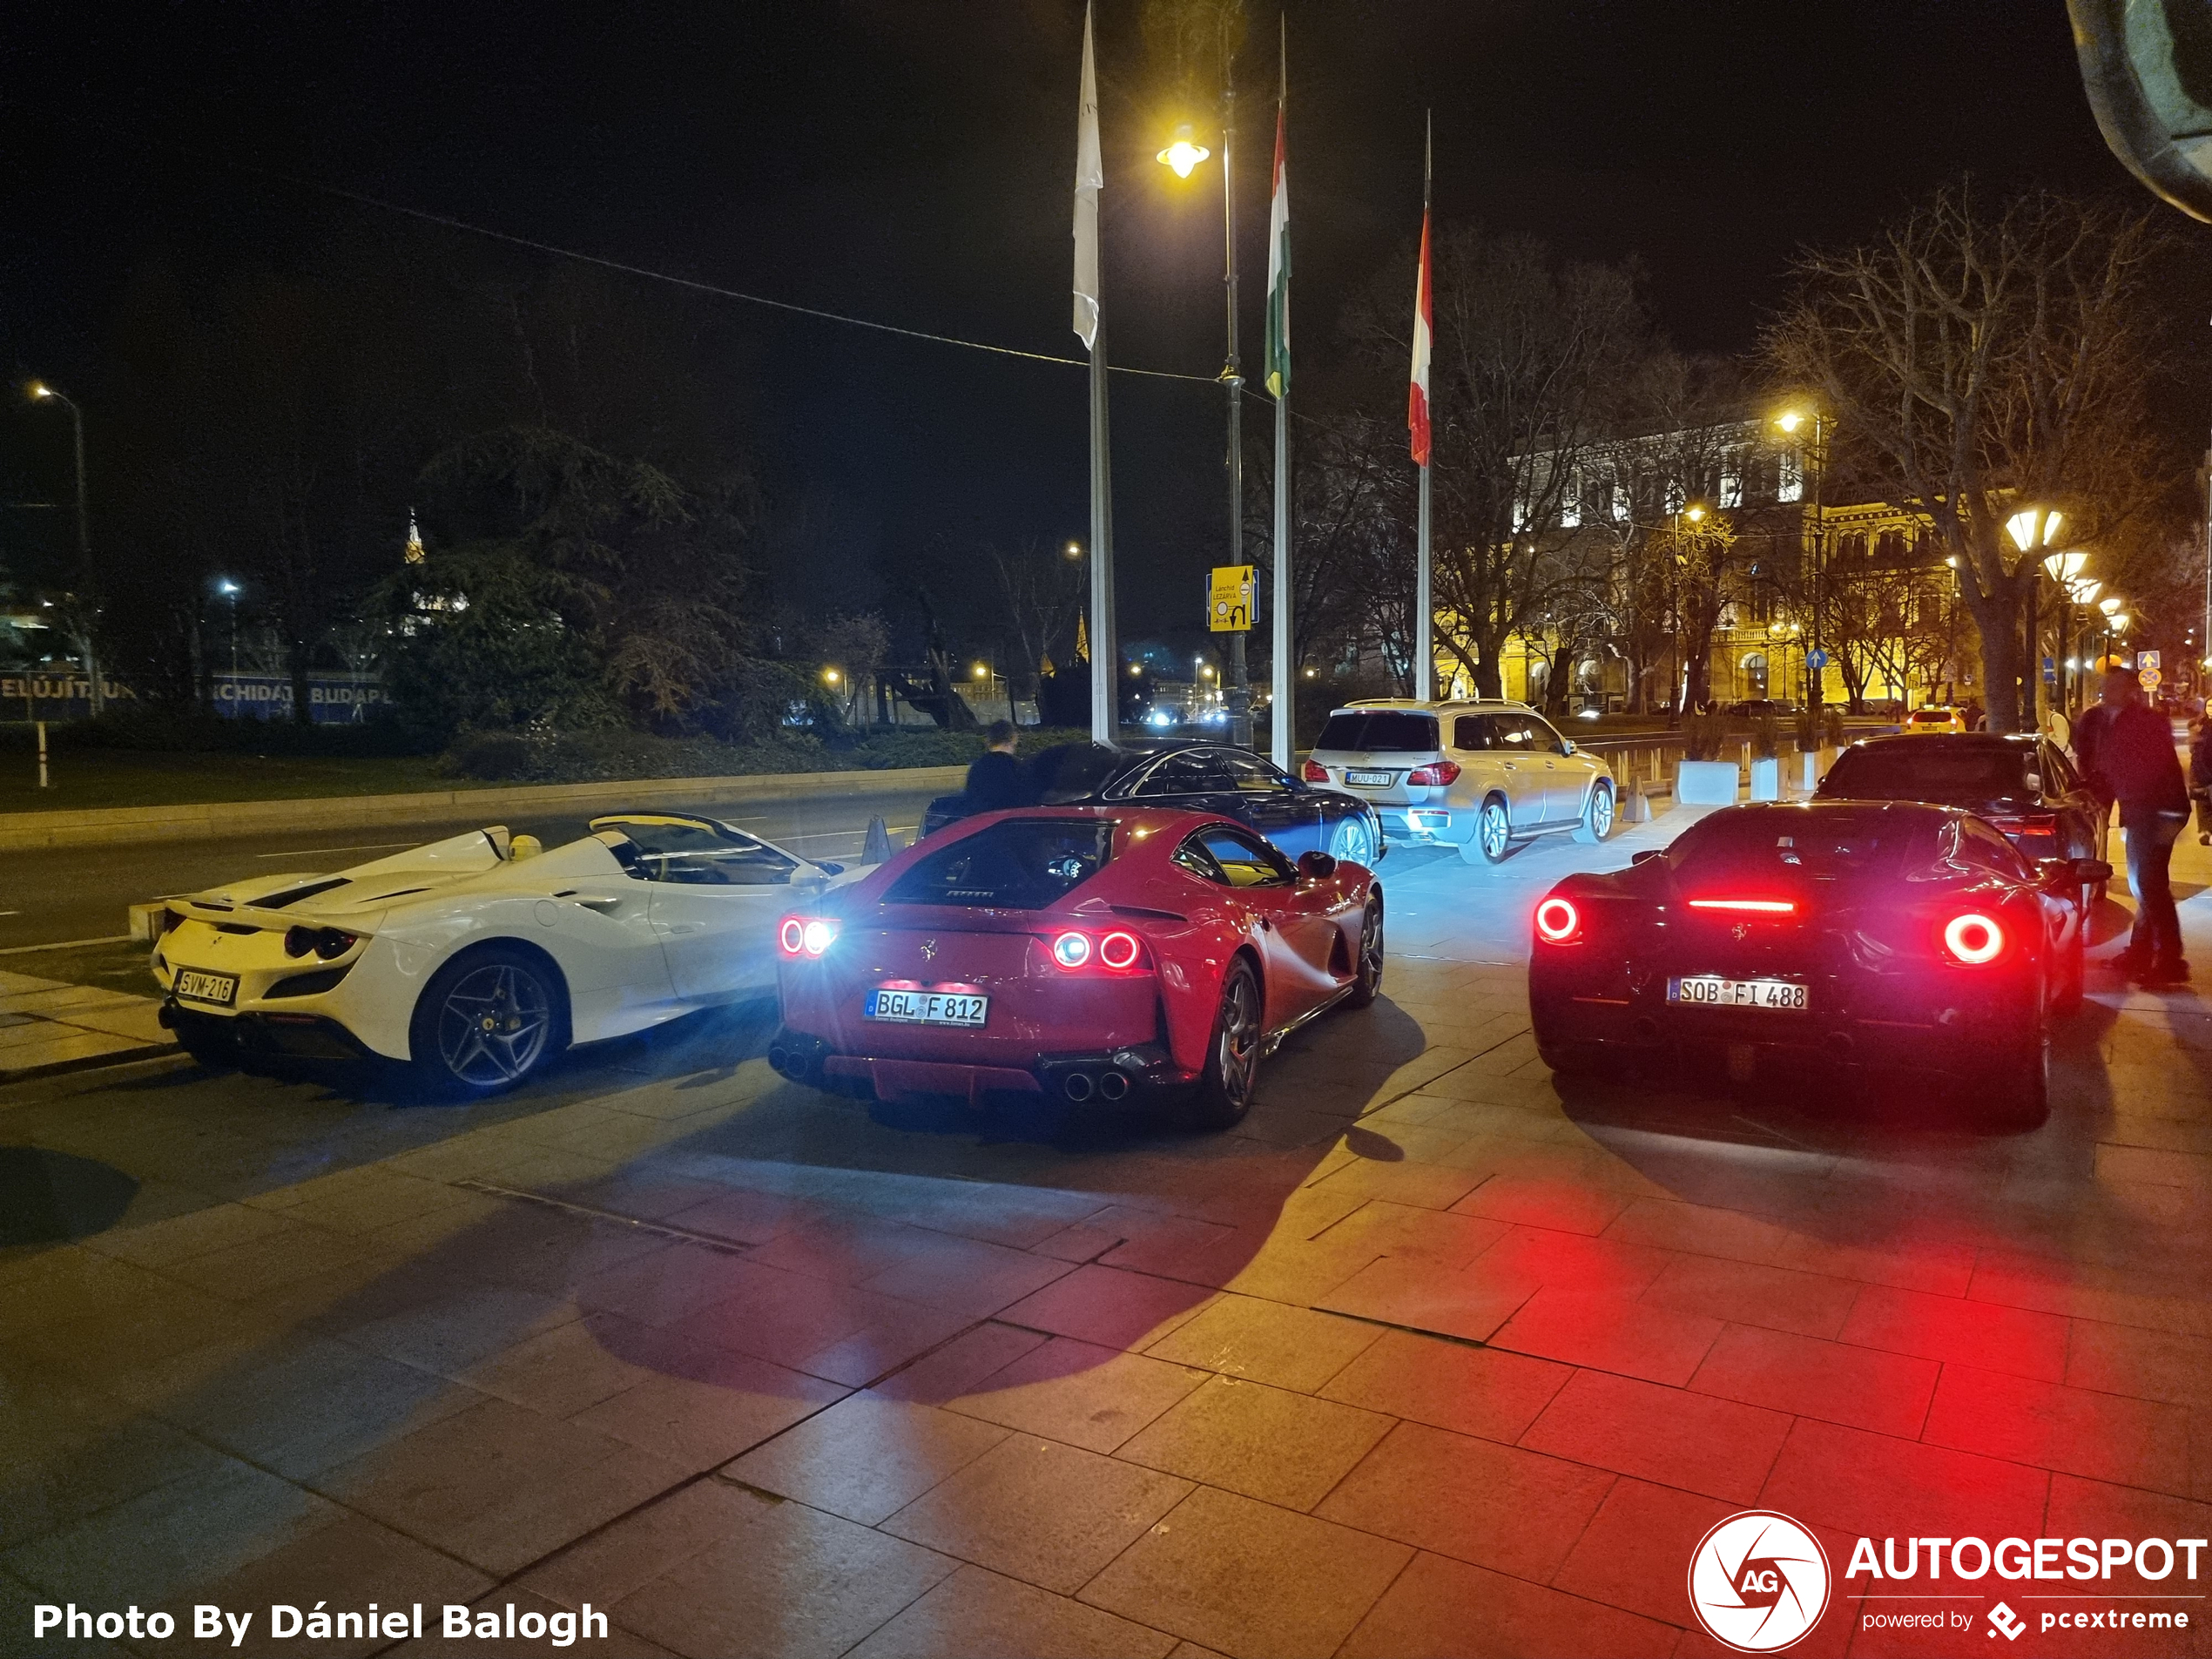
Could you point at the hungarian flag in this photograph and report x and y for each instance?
(1424, 331)
(1278, 272)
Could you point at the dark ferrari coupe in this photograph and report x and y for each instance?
(1885, 937)
(1179, 776)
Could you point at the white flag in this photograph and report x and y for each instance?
(1089, 177)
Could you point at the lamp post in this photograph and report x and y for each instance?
(2032, 529)
(229, 589)
(2064, 569)
(1181, 155)
(41, 393)
(1789, 421)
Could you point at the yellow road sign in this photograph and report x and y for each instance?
(1229, 599)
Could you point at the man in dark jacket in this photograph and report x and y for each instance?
(2136, 766)
(995, 779)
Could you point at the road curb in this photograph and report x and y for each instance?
(91, 1062)
(210, 820)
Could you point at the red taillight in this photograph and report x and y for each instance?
(1973, 938)
(1557, 921)
(1436, 773)
(1118, 952)
(1314, 773)
(1757, 907)
(2035, 835)
(804, 935)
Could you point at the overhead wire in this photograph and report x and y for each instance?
(450, 223)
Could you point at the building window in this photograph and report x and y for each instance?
(1570, 503)
(1790, 480)
(1732, 479)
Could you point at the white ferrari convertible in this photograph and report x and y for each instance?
(476, 959)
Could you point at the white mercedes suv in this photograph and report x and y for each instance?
(1478, 775)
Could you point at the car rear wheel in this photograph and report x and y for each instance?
(1597, 817)
(1493, 837)
(1367, 985)
(486, 1020)
(1352, 843)
(1231, 1077)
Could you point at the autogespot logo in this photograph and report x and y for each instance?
(1758, 1581)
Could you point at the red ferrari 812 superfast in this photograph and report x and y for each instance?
(1086, 953)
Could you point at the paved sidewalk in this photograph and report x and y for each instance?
(1427, 1358)
(48, 1025)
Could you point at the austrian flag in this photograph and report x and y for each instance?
(1424, 332)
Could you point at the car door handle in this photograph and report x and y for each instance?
(598, 900)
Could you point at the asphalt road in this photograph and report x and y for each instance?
(64, 894)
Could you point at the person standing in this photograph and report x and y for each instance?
(2201, 775)
(995, 779)
(2135, 763)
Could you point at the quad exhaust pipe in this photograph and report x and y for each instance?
(1080, 1086)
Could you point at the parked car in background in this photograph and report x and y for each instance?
(1933, 719)
(1198, 778)
(2021, 785)
(1477, 775)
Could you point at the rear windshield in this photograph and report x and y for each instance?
(1073, 771)
(1380, 731)
(1800, 845)
(1938, 771)
(1020, 864)
(1932, 717)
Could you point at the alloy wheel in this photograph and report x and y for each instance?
(1239, 1038)
(1602, 812)
(494, 1025)
(1352, 842)
(1494, 830)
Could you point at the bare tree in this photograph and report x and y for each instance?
(1976, 363)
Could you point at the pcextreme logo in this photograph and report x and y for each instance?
(1758, 1581)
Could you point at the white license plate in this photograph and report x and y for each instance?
(1368, 780)
(1711, 991)
(193, 986)
(928, 1008)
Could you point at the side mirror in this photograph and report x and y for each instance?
(1316, 866)
(2086, 871)
(1567, 745)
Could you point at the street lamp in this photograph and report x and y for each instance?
(1788, 423)
(2032, 529)
(41, 393)
(1075, 550)
(1183, 154)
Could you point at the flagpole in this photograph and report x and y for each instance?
(1090, 328)
(1424, 581)
(1282, 726)
(1105, 658)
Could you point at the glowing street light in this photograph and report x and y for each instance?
(982, 672)
(1183, 152)
(1075, 550)
(830, 677)
(2109, 604)
(2033, 528)
(2064, 567)
(1695, 512)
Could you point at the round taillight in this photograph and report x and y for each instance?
(1119, 950)
(1557, 921)
(298, 941)
(817, 936)
(1974, 939)
(1071, 950)
(331, 943)
(791, 936)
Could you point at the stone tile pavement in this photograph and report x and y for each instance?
(1431, 1357)
(48, 1025)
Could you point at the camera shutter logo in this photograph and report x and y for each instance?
(1758, 1581)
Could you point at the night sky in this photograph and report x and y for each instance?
(913, 162)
